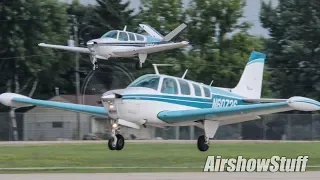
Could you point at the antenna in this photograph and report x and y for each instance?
(185, 73)
(211, 82)
(156, 68)
(125, 28)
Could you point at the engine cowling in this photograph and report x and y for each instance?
(303, 104)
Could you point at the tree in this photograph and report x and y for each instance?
(29, 68)
(294, 46)
(112, 14)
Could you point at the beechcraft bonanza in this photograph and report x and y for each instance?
(117, 43)
(161, 100)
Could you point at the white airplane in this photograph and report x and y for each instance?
(160, 100)
(117, 43)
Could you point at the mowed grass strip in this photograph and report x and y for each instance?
(146, 155)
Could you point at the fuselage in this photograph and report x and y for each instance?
(120, 40)
(150, 94)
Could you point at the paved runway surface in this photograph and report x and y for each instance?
(41, 143)
(165, 176)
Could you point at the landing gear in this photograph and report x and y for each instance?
(210, 129)
(203, 143)
(94, 62)
(117, 141)
(138, 65)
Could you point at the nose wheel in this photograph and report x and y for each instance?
(116, 142)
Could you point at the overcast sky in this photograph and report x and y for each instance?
(251, 13)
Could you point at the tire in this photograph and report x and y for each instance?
(202, 146)
(120, 142)
(110, 144)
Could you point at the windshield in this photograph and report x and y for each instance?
(146, 81)
(110, 34)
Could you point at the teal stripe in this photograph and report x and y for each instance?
(172, 101)
(64, 106)
(171, 97)
(198, 114)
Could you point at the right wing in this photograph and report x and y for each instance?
(223, 113)
(67, 48)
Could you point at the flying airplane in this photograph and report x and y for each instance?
(161, 100)
(117, 43)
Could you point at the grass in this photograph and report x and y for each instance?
(145, 156)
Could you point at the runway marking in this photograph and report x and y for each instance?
(74, 168)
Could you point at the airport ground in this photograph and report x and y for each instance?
(140, 156)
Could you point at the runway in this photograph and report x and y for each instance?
(166, 176)
(41, 143)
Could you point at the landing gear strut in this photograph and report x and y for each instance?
(210, 129)
(139, 65)
(117, 141)
(94, 63)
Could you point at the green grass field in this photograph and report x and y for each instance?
(145, 156)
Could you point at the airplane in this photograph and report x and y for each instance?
(117, 43)
(161, 100)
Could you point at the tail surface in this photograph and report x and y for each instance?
(250, 84)
(154, 33)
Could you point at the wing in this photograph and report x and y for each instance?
(16, 100)
(150, 49)
(263, 100)
(225, 113)
(67, 48)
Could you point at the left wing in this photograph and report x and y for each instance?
(17, 100)
(150, 49)
(294, 103)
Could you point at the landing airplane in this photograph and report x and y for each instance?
(117, 43)
(160, 100)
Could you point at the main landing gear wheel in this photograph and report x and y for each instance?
(118, 145)
(203, 143)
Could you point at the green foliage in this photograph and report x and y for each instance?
(293, 47)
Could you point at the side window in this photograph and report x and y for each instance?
(169, 86)
(123, 36)
(206, 91)
(140, 38)
(184, 87)
(131, 37)
(197, 90)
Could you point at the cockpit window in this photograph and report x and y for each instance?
(131, 37)
(110, 34)
(139, 37)
(146, 81)
(169, 86)
(206, 91)
(184, 87)
(123, 36)
(197, 90)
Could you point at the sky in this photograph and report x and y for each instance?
(251, 13)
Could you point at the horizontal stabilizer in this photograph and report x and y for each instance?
(175, 32)
(66, 48)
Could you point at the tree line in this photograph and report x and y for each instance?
(220, 41)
